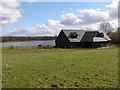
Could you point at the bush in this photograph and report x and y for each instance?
(115, 36)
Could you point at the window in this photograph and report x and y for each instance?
(73, 35)
(100, 35)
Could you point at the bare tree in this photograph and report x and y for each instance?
(106, 27)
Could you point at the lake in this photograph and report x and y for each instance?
(29, 43)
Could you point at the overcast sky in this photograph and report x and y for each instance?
(32, 18)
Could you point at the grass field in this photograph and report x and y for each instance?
(71, 68)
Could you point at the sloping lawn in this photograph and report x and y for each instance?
(71, 68)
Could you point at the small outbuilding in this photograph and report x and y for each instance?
(81, 38)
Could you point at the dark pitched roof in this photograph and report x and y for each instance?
(81, 34)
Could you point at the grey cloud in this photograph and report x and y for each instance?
(10, 12)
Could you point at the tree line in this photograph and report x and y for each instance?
(26, 38)
(111, 32)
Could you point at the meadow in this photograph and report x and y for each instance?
(61, 68)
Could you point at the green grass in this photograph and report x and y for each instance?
(71, 68)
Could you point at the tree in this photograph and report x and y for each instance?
(115, 36)
(106, 27)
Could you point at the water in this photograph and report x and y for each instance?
(29, 43)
